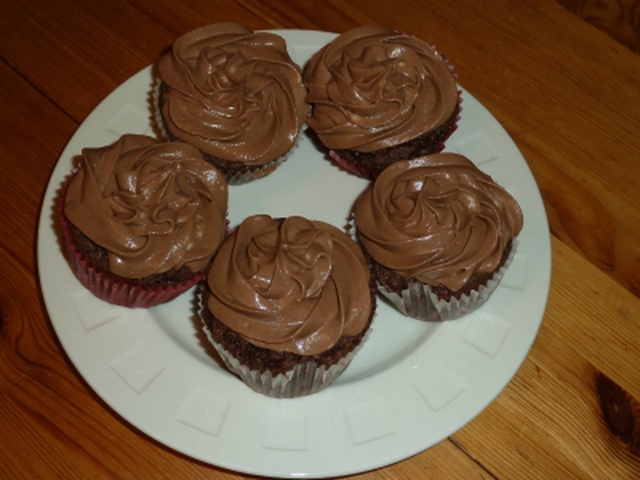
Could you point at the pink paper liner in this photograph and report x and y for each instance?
(239, 178)
(361, 172)
(304, 379)
(109, 288)
(418, 301)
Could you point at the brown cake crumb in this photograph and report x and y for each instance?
(227, 167)
(262, 359)
(98, 257)
(427, 144)
(396, 283)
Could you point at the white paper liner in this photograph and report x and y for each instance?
(238, 178)
(157, 115)
(304, 379)
(418, 301)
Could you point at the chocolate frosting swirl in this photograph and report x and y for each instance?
(373, 88)
(290, 285)
(438, 219)
(152, 206)
(233, 93)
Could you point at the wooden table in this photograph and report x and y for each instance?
(569, 96)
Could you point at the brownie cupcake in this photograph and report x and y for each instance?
(235, 94)
(378, 97)
(142, 219)
(288, 304)
(439, 233)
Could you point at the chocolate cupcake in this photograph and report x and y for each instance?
(439, 234)
(142, 219)
(235, 94)
(378, 97)
(288, 304)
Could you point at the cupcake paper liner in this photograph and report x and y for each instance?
(350, 167)
(105, 286)
(238, 178)
(371, 174)
(304, 379)
(419, 301)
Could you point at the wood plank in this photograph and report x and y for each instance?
(603, 320)
(29, 151)
(620, 19)
(52, 423)
(79, 54)
(444, 460)
(554, 400)
(334, 15)
(183, 17)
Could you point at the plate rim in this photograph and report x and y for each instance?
(63, 335)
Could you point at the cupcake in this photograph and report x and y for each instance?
(142, 219)
(235, 94)
(288, 303)
(378, 97)
(439, 234)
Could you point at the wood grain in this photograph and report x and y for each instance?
(556, 396)
(621, 413)
(21, 189)
(620, 19)
(565, 92)
(79, 55)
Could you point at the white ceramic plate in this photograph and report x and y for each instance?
(413, 384)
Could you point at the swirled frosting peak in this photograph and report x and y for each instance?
(233, 93)
(373, 88)
(290, 285)
(437, 218)
(152, 206)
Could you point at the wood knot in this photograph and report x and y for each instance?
(621, 412)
